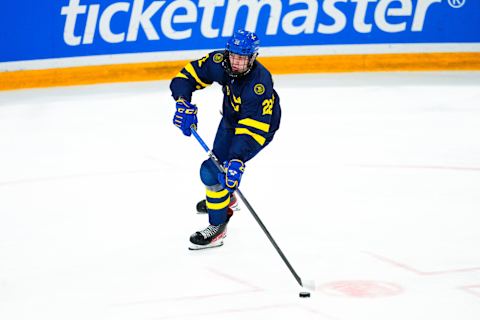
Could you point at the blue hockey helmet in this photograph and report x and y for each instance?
(243, 43)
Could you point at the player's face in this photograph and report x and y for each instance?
(239, 63)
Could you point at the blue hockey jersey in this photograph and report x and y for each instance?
(251, 106)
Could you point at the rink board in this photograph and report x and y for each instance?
(277, 65)
(65, 42)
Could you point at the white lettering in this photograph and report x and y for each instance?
(420, 13)
(339, 18)
(91, 24)
(207, 19)
(381, 12)
(190, 16)
(254, 8)
(105, 19)
(179, 18)
(310, 15)
(142, 18)
(71, 11)
(360, 14)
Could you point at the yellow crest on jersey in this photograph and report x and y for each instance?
(218, 57)
(259, 89)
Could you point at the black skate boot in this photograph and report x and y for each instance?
(210, 237)
(233, 206)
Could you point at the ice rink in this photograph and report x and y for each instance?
(371, 188)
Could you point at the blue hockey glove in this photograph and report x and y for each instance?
(185, 116)
(230, 180)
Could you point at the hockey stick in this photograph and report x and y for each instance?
(309, 284)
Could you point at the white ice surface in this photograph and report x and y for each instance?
(371, 188)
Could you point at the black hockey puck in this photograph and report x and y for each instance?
(304, 294)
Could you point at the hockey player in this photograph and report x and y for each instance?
(251, 116)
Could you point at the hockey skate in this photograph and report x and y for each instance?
(233, 206)
(210, 237)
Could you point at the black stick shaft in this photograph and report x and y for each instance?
(269, 236)
(250, 208)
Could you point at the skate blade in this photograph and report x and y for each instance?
(207, 246)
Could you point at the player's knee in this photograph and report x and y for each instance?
(208, 173)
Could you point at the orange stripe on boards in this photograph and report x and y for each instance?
(373, 62)
(277, 65)
(89, 75)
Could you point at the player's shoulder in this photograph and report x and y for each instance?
(217, 56)
(260, 81)
(261, 73)
(214, 57)
(210, 66)
(211, 59)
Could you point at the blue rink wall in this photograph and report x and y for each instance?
(42, 34)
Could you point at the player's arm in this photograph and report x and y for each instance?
(196, 75)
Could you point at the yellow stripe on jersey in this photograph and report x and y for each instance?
(255, 124)
(217, 194)
(191, 70)
(257, 137)
(218, 206)
(181, 75)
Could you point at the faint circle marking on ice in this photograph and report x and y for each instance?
(361, 289)
(456, 3)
